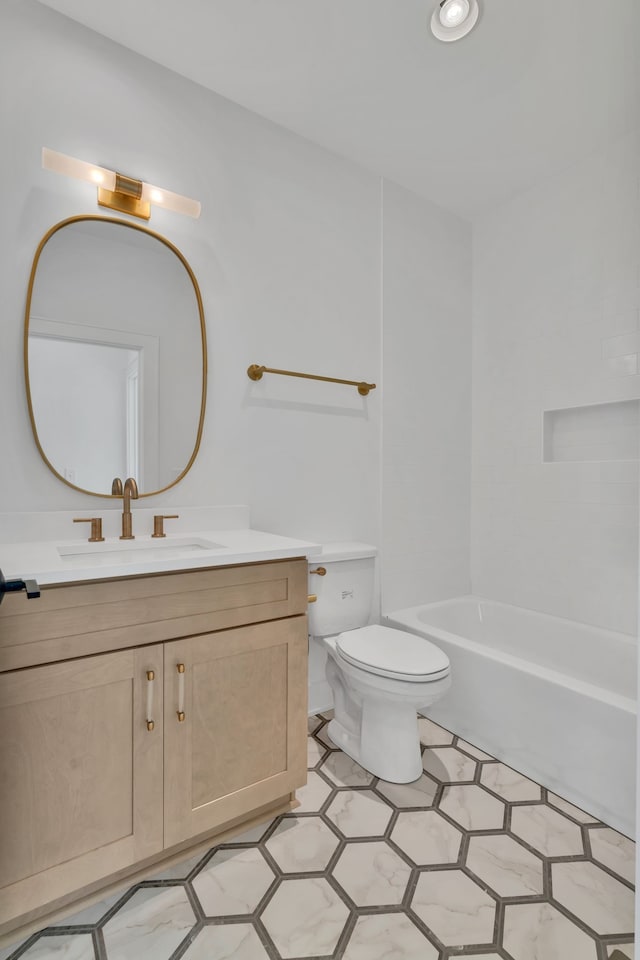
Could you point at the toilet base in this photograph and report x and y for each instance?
(376, 720)
(390, 747)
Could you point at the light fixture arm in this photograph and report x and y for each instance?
(126, 197)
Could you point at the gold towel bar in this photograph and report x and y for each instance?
(255, 372)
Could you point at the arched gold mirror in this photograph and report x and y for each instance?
(115, 356)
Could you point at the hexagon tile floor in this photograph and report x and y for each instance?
(471, 860)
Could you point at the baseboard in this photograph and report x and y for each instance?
(320, 698)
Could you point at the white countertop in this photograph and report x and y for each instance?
(73, 560)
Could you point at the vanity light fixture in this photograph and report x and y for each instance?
(117, 191)
(454, 19)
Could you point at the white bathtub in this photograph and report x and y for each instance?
(553, 698)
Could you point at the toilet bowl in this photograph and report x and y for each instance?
(380, 677)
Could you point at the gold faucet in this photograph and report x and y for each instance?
(130, 493)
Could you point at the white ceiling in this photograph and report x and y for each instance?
(537, 84)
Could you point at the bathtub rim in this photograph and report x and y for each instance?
(406, 619)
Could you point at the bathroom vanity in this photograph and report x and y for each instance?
(143, 715)
(155, 695)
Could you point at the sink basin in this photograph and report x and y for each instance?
(135, 551)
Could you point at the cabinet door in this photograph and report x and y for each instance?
(242, 742)
(80, 774)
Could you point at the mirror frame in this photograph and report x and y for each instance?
(203, 334)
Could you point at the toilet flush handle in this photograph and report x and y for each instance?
(321, 571)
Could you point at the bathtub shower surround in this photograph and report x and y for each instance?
(473, 858)
(556, 298)
(553, 698)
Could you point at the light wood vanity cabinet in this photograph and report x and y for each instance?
(80, 777)
(88, 792)
(234, 751)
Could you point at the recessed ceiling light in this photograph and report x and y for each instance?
(454, 19)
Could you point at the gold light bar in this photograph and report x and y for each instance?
(117, 191)
(255, 372)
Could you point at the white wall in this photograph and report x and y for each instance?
(555, 309)
(427, 401)
(288, 256)
(286, 252)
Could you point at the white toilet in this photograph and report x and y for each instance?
(380, 677)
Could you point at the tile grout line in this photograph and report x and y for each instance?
(330, 763)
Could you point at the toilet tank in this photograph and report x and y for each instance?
(345, 594)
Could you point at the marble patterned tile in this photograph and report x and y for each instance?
(570, 809)
(345, 772)
(313, 795)
(6, 952)
(388, 936)
(150, 925)
(323, 736)
(237, 941)
(315, 752)
(626, 949)
(547, 831)
(420, 793)
(537, 931)
(302, 844)
(432, 735)
(253, 835)
(359, 813)
(448, 765)
(473, 808)
(427, 838)
(505, 865)
(77, 946)
(180, 871)
(233, 882)
(455, 908)
(614, 850)
(473, 751)
(307, 913)
(372, 874)
(313, 723)
(598, 899)
(305, 918)
(508, 783)
(90, 914)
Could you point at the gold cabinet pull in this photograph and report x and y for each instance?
(321, 571)
(180, 710)
(150, 681)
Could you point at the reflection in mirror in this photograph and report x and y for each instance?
(115, 354)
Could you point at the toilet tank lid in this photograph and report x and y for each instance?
(343, 550)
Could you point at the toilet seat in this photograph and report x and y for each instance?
(392, 653)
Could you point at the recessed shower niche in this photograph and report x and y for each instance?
(597, 432)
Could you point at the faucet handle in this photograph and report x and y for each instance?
(96, 528)
(158, 523)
